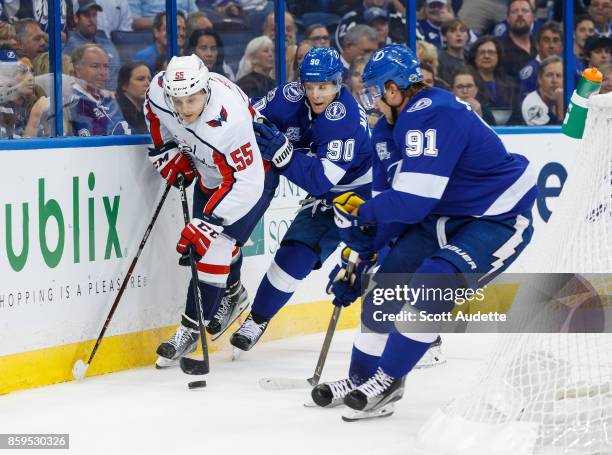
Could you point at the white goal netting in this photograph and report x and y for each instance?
(550, 393)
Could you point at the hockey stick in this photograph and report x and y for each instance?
(288, 383)
(80, 368)
(189, 365)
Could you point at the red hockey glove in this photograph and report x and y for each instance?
(171, 163)
(200, 234)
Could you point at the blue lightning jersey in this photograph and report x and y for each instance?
(449, 163)
(332, 149)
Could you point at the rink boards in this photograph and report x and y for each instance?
(71, 221)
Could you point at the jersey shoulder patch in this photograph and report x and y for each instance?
(293, 92)
(335, 111)
(423, 103)
(526, 72)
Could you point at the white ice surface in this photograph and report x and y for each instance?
(151, 412)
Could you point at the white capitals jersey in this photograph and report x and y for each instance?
(221, 142)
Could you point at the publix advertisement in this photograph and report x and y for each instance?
(71, 221)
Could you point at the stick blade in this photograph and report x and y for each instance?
(79, 370)
(194, 366)
(283, 383)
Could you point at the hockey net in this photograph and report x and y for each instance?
(549, 393)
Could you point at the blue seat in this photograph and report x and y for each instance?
(129, 43)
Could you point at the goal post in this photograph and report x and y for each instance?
(549, 393)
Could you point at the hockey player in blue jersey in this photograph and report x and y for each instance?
(328, 130)
(456, 203)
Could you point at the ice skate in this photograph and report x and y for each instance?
(234, 303)
(331, 394)
(183, 342)
(248, 333)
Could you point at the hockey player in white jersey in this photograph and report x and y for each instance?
(201, 126)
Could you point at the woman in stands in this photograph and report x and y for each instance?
(132, 84)
(495, 88)
(463, 85)
(207, 45)
(255, 67)
(25, 112)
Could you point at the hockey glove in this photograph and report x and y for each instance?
(347, 288)
(171, 163)
(274, 145)
(200, 234)
(357, 235)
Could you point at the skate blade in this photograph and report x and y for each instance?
(236, 353)
(162, 363)
(242, 309)
(312, 404)
(354, 416)
(283, 383)
(431, 359)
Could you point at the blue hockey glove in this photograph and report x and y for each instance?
(345, 286)
(357, 235)
(273, 145)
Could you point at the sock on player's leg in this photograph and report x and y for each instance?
(292, 263)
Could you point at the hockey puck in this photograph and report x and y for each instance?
(196, 385)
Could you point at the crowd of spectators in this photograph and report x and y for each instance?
(502, 57)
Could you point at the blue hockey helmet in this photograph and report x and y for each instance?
(394, 63)
(322, 64)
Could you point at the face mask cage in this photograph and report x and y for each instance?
(369, 95)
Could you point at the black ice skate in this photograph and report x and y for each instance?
(234, 303)
(248, 333)
(375, 397)
(331, 394)
(183, 342)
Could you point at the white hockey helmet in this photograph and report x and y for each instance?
(185, 76)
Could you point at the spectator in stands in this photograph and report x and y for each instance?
(145, 11)
(318, 35)
(601, 12)
(436, 13)
(463, 85)
(198, 20)
(549, 42)
(396, 19)
(290, 39)
(378, 19)
(207, 45)
(256, 12)
(597, 51)
(86, 20)
(36, 10)
(481, 15)
(116, 15)
(151, 53)
(8, 37)
(31, 40)
(427, 53)
(92, 111)
(584, 26)
(355, 85)
(606, 86)
(519, 46)
(452, 58)
(430, 78)
(501, 30)
(132, 84)
(495, 88)
(360, 40)
(302, 50)
(255, 67)
(24, 113)
(544, 106)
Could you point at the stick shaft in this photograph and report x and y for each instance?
(128, 275)
(194, 275)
